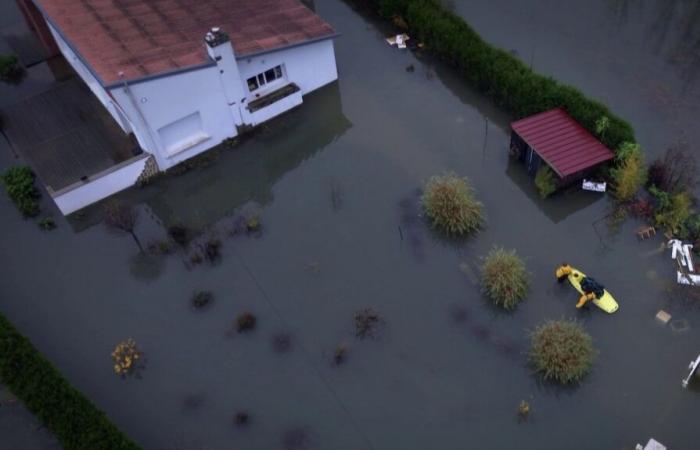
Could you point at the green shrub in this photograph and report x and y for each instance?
(546, 181)
(672, 210)
(10, 70)
(450, 204)
(19, 183)
(562, 351)
(504, 277)
(76, 423)
(630, 174)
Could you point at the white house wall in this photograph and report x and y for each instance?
(168, 99)
(310, 66)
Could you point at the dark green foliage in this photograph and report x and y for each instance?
(546, 181)
(47, 223)
(10, 70)
(562, 351)
(202, 299)
(76, 423)
(505, 79)
(19, 183)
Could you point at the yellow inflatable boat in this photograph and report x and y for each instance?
(606, 302)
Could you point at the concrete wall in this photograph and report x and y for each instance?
(101, 185)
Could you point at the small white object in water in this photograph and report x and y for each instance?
(689, 279)
(663, 317)
(653, 444)
(399, 40)
(589, 185)
(692, 367)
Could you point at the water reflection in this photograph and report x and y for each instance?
(559, 206)
(248, 172)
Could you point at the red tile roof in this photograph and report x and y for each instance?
(149, 37)
(565, 145)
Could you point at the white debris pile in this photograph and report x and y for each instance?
(686, 267)
(399, 40)
(589, 185)
(653, 444)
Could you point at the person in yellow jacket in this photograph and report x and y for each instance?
(563, 273)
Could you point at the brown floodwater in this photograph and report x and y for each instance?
(336, 183)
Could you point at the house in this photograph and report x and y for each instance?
(553, 138)
(182, 76)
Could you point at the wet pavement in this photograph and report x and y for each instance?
(336, 185)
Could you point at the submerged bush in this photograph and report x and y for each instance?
(19, 183)
(202, 299)
(562, 351)
(10, 70)
(449, 202)
(630, 174)
(246, 322)
(367, 323)
(676, 172)
(672, 210)
(546, 181)
(127, 357)
(504, 277)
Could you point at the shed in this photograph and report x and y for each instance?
(554, 138)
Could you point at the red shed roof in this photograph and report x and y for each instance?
(150, 37)
(564, 144)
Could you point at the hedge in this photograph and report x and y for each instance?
(511, 84)
(73, 419)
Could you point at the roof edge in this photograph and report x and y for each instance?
(333, 35)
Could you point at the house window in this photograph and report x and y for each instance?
(264, 78)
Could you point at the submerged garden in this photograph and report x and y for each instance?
(359, 291)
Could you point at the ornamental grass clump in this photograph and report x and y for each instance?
(504, 277)
(562, 351)
(449, 202)
(127, 357)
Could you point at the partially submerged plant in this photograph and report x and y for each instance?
(367, 322)
(340, 354)
(127, 357)
(241, 418)
(212, 250)
(122, 217)
(253, 223)
(201, 299)
(10, 70)
(630, 173)
(449, 202)
(282, 342)
(245, 322)
(19, 183)
(562, 351)
(47, 223)
(546, 181)
(523, 409)
(504, 277)
(179, 234)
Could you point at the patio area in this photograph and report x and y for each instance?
(65, 134)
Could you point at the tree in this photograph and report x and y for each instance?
(676, 172)
(122, 217)
(629, 175)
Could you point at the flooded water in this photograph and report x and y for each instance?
(336, 185)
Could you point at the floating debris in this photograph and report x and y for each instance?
(399, 40)
(693, 367)
(681, 253)
(589, 185)
(688, 279)
(645, 232)
(680, 326)
(663, 317)
(653, 444)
